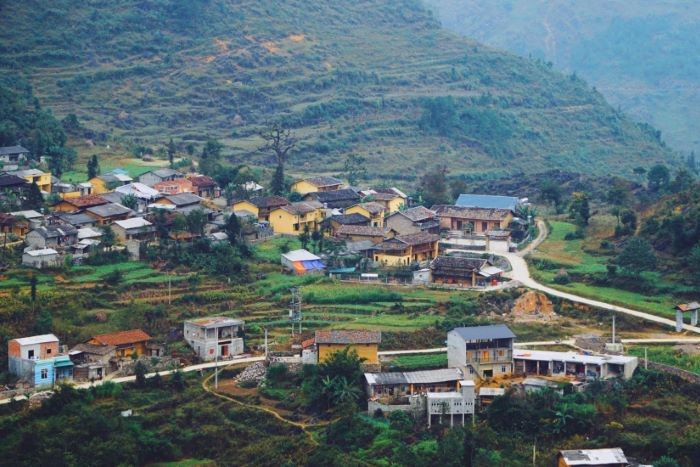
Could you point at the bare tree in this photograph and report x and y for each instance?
(279, 141)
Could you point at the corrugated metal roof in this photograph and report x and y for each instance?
(487, 201)
(594, 456)
(40, 339)
(300, 255)
(348, 337)
(494, 331)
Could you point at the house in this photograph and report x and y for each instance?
(302, 261)
(36, 359)
(336, 199)
(531, 385)
(13, 155)
(106, 214)
(214, 337)
(92, 362)
(34, 218)
(371, 210)
(410, 383)
(261, 206)
(509, 203)
(469, 272)
(573, 364)
(41, 178)
(334, 222)
(481, 351)
(11, 225)
(413, 220)
(88, 233)
(174, 187)
(43, 258)
(153, 177)
(686, 308)
(609, 457)
(392, 202)
(314, 184)
(183, 202)
(135, 228)
(13, 185)
(205, 186)
(78, 220)
(365, 343)
(461, 402)
(108, 182)
(402, 250)
(473, 220)
(140, 191)
(358, 233)
(79, 203)
(127, 343)
(294, 218)
(52, 236)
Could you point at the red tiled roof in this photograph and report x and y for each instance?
(86, 201)
(308, 343)
(121, 337)
(348, 337)
(202, 181)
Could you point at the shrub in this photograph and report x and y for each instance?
(562, 277)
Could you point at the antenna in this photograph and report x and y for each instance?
(295, 308)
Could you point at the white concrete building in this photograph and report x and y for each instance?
(459, 403)
(215, 335)
(547, 363)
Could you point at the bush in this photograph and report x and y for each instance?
(277, 373)
(562, 277)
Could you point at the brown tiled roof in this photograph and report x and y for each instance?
(348, 337)
(307, 343)
(299, 208)
(372, 207)
(323, 181)
(456, 264)
(418, 238)
(269, 201)
(366, 230)
(94, 349)
(479, 214)
(350, 219)
(385, 196)
(121, 337)
(86, 201)
(202, 181)
(419, 213)
(688, 306)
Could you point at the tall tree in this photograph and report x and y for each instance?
(551, 192)
(130, 201)
(658, 178)
(304, 236)
(93, 167)
(579, 209)
(433, 186)
(196, 220)
(637, 256)
(280, 142)
(61, 159)
(108, 238)
(209, 160)
(34, 199)
(171, 152)
(233, 229)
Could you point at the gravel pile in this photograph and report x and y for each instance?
(255, 372)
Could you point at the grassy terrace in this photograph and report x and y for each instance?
(668, 355)
(574, 257)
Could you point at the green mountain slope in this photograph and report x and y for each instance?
(641, 55)
(379, 78)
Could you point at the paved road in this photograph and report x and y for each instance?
(128, 379)
(520, 272)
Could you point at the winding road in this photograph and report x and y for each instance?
(520, 272)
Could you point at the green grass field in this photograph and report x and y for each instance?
(419, 362)
(668, 355)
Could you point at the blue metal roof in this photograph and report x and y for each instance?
(487, 201)
(494, 331)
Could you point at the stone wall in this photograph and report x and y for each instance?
(683, 374)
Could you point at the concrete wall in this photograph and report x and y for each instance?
(456, 352)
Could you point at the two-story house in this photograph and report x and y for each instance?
(52, 236)
(371, 210)
(414, 220)
(473, 220)
(152, 177)
(41, 178)
(261, 206)
(214, 336)
(13, 155)
(294, 218)
(314, 184)
(402, 250)
(36, 360)
(127, 343)
(481, 351)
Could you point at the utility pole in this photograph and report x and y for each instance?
(216, 368)
(646, 360)
(265, 343)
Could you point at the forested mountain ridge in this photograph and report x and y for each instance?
(379, 78)
(641, 55)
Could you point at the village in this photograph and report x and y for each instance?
(390, 238)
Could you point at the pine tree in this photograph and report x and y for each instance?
(93, 167)
(171, 152)
(34, 198)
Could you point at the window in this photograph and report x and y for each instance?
(484, 226)
(503, 369)
(48, 351)
(44, 373)
(30, 354)
(471, 370)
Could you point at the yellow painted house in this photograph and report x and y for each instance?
(371, 210)
(246, 206)
(293, 218)
(365, 343)
(315, 184)
(391, 202)
(406, 249)
(41, 178)
(108, 182)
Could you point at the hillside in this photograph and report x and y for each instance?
(379, 78)
(640, 55)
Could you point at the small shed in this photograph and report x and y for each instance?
(302, 262)
(43, 258)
